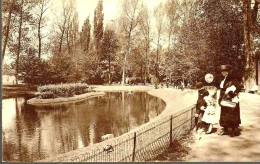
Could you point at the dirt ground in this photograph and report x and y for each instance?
(201, 147)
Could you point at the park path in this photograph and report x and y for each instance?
(242, 148)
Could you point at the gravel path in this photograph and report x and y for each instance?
(242, 148)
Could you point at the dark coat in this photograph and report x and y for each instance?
(201, 94)
(229, 117)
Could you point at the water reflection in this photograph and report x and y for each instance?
(31, 133)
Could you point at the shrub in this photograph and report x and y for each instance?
(63, 90)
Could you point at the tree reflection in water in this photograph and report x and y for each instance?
(35, 132)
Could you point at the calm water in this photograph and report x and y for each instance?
(32, 133)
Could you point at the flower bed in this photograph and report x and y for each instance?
(62, 90)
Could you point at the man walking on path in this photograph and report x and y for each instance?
(243, 148)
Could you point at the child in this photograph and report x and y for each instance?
(209, 114)
(201, 104)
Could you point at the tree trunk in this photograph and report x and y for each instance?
(157, 56)
(61, 40)
(109, 75)
(125, 59)
(250, 79)
(124, 69)
(19, 42)
(39, 37)
(7, 29)
(145, 66)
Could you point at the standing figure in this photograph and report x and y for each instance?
(209, 114)
(229, 102)
(201, 104)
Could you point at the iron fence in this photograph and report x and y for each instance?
(144, 144)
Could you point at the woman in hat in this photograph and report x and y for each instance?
(229, 102)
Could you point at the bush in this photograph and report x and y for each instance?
(63, 90)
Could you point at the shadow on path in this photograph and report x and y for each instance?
(241, 148)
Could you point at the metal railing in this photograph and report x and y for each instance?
(144, 144)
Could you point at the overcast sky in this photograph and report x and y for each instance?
(85, 8)
(111, 8)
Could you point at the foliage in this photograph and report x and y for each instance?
(178, 41)
(85, 35)
(98, 26)
(32, 68)
(7, 70)
(63, 90)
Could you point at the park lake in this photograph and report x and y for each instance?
(31, 133)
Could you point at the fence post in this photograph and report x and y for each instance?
(133, 157)
(191, 117)
(171, 130)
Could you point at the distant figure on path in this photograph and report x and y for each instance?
(229, 102)
(201, 105)
(155, 81)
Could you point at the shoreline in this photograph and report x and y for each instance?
(35, 101)
(182, 100)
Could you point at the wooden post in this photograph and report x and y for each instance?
(171, 130)
(133, 157)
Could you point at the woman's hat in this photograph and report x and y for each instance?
(225, 67)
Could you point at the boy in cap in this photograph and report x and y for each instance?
(201, 104)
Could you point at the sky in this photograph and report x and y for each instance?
(85, 8)
(111, 8)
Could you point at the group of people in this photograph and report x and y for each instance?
(228, 101)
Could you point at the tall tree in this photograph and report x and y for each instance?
(85, 35)
(159, 15)
(42, 7)
(63, 22)
(172, 15)
(109, 47)
(22, 41)
(250, 18)
(98, 26)
(145, 28)
(129, 21)
(7, 7)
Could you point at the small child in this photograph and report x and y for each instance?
(209, 114)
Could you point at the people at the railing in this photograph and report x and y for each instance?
(201, 105)
(229, 102)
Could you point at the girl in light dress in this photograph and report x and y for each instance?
(209, 114)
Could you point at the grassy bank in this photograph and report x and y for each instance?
(9, 91)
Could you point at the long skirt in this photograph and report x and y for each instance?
(230, 117)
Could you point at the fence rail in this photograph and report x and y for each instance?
(144, 144)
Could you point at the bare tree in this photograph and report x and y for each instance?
(159, 15)
(19, 39)
(172, 15)
(6, 29)
(129, 21)
(145, 28)
(64, 21)
(42, 7)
